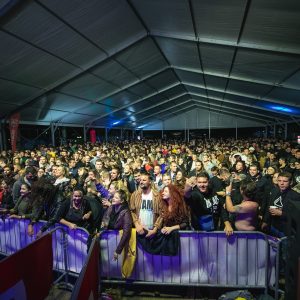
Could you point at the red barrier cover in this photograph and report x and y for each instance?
(87, 285)
(27, 274)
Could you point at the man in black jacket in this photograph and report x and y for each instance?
(276, 216)
(206, 207)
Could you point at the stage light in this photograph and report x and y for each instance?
(282, 108)
(116, 123)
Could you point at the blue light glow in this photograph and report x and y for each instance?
(141, 126)
(116, 123)
(282, 108)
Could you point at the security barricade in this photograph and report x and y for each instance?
(13, 237)
(243, 260)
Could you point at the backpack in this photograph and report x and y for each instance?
(237, 295)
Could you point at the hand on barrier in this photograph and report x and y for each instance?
(264, 227)
(115, 256)
(39, 234)
(151, 233)
(30, 230)
(228, 230)
(139, 229)
(14, 216)
(72, 226)
(166, 230)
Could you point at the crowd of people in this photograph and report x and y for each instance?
(156, 186)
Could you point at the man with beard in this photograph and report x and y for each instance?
(206, 207)
(145, 207)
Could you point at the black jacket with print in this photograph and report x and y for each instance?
(280, 200)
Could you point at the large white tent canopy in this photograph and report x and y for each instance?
(147, 63)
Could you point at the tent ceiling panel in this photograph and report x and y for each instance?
(239, 108)
(15, 93)
(215, 83)
(180, 53)
(29, 65)
(216, 59)
(293, 81)
(94, 110)
(156, 102)
(132, 61)
(219, 20)
(41, 115)
(179, 110)
(114, 72)
(247, 88)
(160, 17)
(141, 89)
(120, 99)
(162, 80)
(159, 111)
(142, 58)
(58, 101)
(197, 90)
(174, 91)
(7, 107)
(76, 118)
(110, 24)
(88, 87)
(285, 96)
(195, 78)
(274, 25)
(258, 65)
(44, 30)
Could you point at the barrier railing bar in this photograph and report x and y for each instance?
(139, 282)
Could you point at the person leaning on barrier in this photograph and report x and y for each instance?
(206, 207)
(77, 212)
(118, 216)
(47, 202)
(23, 207)
(145, 207)
(6, 199)
(174, 212)
(247, 211)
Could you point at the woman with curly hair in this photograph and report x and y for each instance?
(174, 212)
(174, 217)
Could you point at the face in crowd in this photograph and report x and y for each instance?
(202, 184)
(144, 182)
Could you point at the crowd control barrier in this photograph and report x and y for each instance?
(243, 260)
(87, 284)
(21, 272)
(13, 237)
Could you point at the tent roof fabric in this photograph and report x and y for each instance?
(106, 62)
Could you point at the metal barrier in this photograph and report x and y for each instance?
(243, 260)
(276, 245)
(13, 237)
